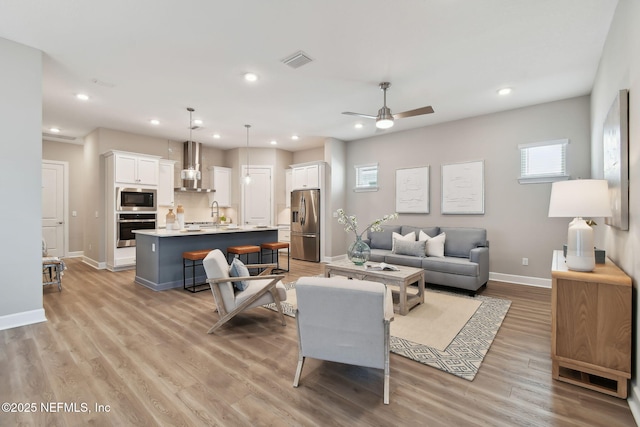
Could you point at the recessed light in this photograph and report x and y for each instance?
(197, 122)
(216, 136)
(504, 91)
(358, 126)
(54, 130)
(295, 137)
(82, 97)
(154, 122)
(250, 77)
(274, 142)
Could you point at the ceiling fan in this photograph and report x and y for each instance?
(384, 119)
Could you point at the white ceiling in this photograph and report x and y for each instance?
(154, 58)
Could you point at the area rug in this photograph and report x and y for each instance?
(464, 354)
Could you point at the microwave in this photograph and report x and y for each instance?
(136, 199)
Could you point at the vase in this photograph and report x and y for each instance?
(359, 252)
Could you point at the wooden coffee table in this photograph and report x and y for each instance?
(402, 278)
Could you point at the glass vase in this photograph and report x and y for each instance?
(359, 252)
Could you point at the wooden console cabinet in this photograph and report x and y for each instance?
(591, 327)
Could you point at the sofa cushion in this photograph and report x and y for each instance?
(460, 240)
(413, 248)
(411, 237)
(431, 231)
(383, 239)
(406, 260)
(451, 265)
(434, 245)
(379, 255)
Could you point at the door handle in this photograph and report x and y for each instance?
(60, 222)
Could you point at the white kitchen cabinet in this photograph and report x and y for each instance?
(287, 187)
(307, 176)
(166, 175)
(221, 183)
(136, 169)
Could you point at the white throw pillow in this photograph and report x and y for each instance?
(411, 237)
(435, 245)
(423, 236)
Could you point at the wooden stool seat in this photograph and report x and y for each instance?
(275, 247)
(194, 257)
(244, 250)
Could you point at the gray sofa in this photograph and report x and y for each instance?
(465, 264)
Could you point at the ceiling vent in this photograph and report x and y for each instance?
(58, 136)
(297, 60)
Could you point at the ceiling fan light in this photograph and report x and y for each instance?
(384, 123)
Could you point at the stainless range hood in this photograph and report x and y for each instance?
(193, 185)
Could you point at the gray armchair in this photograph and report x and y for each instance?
(345, 321)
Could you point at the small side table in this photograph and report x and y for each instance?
(52, 268)
(591, 327)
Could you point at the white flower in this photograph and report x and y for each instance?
(351, 223)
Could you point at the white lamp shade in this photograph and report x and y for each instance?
(580, 198)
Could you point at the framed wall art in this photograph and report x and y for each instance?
(463, 188)
(615, 144)
(412, 190)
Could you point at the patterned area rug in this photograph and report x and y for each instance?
(464, 355)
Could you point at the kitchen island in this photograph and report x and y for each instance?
(159, 252)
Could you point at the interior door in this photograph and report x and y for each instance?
(53, 197)
(257, 197)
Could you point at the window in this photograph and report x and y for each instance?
(366, 177)
(543, 161)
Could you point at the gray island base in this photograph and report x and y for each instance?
(159, 252)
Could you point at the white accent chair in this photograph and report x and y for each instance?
(263, 289)
(345, 321)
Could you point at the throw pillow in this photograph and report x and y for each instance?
(435, 245)
(238, 269)
(410, 237)
(417, 249)
(424, 236)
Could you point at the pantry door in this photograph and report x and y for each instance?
(54, 200)
(258, 196)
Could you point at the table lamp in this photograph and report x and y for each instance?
(577, 199)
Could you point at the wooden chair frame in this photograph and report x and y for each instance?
(225, 315)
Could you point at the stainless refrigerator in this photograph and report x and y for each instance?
(305, 225)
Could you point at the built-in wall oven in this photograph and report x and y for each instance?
(136, 199)
(127, 222)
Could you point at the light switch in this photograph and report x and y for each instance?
(74, 213)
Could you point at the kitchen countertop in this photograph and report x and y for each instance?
(204, 230)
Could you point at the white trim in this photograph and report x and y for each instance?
(520, 280)
(633, 403)
(93, 263)
(75, 254)
(22, 319)
(543, 143)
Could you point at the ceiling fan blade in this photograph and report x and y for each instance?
(367, 116)
(416, 112)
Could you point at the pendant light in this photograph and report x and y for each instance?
(190, 174)
(247, 177)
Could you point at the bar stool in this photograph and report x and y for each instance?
(244, 250)
(196, 258)
(275, 247)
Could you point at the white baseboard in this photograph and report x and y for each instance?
(633, 402)
(22, 319)
(93, 263)
(520, 280)
(76, 254)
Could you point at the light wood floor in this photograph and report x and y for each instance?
(148, 357)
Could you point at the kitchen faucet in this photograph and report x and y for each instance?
(217, 221)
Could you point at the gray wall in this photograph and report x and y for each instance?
(21, 189)
(515, 214)
(73, 154)
(620, 69)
